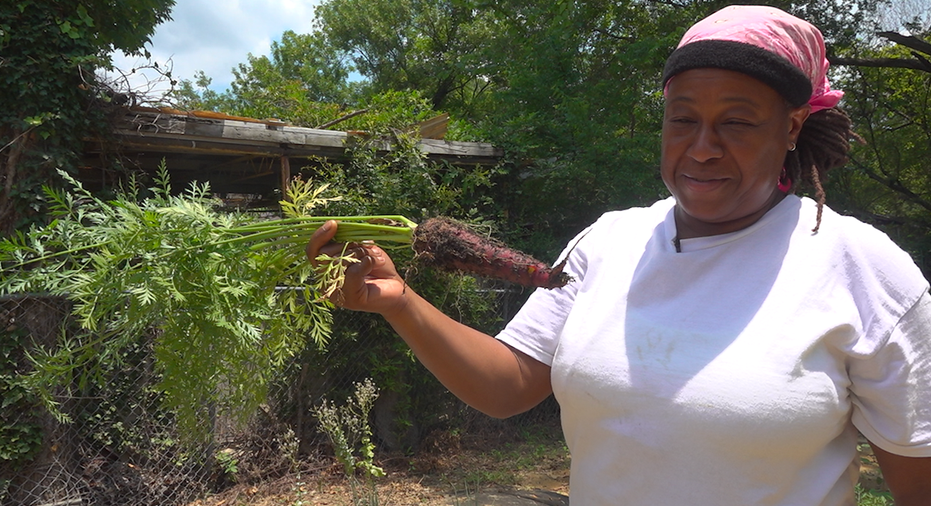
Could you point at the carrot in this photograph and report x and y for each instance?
(451, 245)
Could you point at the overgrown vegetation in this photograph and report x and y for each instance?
(51, 97)
(569, 89)
(888, 180)
(20, 432)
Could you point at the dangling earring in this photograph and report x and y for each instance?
(784, 183)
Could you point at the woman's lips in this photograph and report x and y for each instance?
(698, 184)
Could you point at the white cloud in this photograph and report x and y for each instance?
(215, 36)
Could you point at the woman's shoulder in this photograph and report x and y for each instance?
(854, 235)
(866, 255)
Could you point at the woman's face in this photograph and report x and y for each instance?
(725, 138)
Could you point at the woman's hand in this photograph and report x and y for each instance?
(372, 285)
(482, 371)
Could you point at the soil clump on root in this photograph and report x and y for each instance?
(451, 245)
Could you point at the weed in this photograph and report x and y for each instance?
(349, 431)
(866, 497)
(469, 494)
(229, 464)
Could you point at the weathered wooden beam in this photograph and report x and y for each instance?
(285, 176)
(197, 134)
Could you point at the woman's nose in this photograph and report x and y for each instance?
(705, 145)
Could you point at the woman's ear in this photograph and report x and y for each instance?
(797, 117)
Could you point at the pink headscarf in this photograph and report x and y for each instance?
(777, 32)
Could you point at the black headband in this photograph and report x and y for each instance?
(756, 62)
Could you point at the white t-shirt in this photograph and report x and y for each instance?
(737, 371)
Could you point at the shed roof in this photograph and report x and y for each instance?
(241, 155)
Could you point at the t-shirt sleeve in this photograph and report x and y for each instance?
(891, 388)
(535, 328)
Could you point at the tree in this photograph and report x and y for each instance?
(51, 97)
(888, 180)
(428, 45)
(579, 104)
(920, 52)
(303, 81)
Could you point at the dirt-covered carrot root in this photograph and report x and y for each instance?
(450, 245)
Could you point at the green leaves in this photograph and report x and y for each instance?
(225, 313)
(52, 95)
(20, 435)
(887, 181)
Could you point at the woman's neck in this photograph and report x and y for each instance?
(687, 227)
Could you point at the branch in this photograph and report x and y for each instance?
(341, 119)
(614, 35)
(672, 3)
(922, 59)
(893, 184)
(907, 41)
(911, 42)
(880, 63)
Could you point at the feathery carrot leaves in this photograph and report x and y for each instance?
(225, 298)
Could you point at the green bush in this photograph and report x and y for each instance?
(20, 433)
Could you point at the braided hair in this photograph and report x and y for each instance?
(822, 145)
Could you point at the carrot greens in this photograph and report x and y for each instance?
(224, 299)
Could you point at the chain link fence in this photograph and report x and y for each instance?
(113, 443)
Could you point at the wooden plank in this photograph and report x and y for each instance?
(285, 176)
(258, 133)
(204, 128)
(459, 148)
(435, 127)
(233, 136)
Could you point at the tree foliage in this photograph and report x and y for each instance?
(301, 82)
(888, 180)
(577, 111)
(569, 89)
(50, 95)
(433, 46)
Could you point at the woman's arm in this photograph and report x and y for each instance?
(909, 478)
(482, 371)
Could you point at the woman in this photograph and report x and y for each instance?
(725, 345)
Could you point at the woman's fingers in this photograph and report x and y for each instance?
(365, 282)
(320, 238)
(354, 291)
(321, 243)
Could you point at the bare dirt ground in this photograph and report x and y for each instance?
(451, 470)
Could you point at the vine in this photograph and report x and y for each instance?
(52, 97)
(20, 434)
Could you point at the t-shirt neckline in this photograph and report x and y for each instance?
(701, 243)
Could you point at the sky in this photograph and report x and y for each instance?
(215, 36)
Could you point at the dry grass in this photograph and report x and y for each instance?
(450, 469)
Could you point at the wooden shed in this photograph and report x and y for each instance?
(242, 156)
